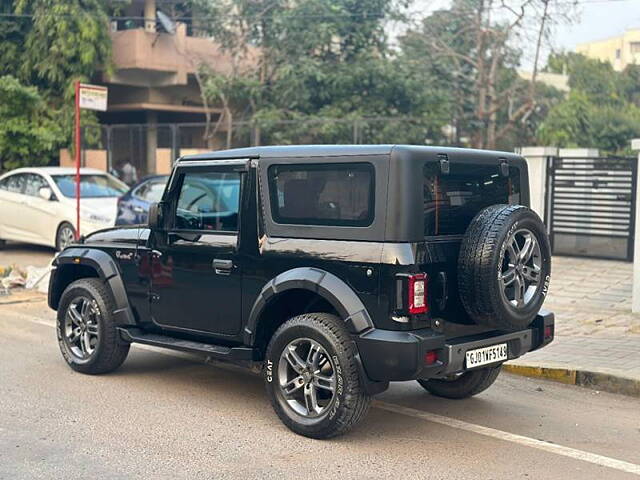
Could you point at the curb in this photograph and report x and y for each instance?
(594, 380)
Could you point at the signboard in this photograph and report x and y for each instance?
(93, 97)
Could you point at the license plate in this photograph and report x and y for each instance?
(486, 355)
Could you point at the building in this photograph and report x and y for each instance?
(620, 51)
(155, 108)
(559, 81)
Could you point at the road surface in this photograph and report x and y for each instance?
(166, 415)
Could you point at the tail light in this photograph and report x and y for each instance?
(417, 290)
(431, 357)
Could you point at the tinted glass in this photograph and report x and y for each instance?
(151, 191)
(209, 201)
(34, 183)
(451, 201)
(329, 194)
(14, 183)
(91, 186)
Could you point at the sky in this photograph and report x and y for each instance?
(591, 20)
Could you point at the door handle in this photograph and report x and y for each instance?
(138, 209)
(222, 267)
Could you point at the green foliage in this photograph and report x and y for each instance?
(53, 44)
(319, 60)
(28, 136)
(600, 112)
(68, 40)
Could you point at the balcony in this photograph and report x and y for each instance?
(153, 59)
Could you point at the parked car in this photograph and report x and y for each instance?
(38, 205)
(133, 206)
(336, 269)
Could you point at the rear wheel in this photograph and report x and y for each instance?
(87, 335)
(463, 385)
(65, 236)
(312, 378)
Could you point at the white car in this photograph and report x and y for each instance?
(38, 205)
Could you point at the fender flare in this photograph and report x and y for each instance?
(340, 295)
(107, 271)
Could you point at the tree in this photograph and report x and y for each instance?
(469, 50)
(600, 112)
(300, 65)
(28, 135)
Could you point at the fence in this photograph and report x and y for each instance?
(152, 148)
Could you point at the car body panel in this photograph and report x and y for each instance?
(174, 288)
(33, 219)
(133, 206)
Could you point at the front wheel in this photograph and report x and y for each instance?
(312, 377)
(464, 385)
(87, 335)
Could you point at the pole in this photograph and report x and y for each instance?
(77, 127)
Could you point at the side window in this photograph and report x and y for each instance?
(209, 201)
(34, 183)
(150, 191)
(14, 183)
(328, 194)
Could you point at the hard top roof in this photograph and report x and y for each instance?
(290, 151)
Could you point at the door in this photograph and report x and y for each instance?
(40, 215)
(13, 207)
(196, 273)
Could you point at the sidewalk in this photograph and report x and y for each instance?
(597, 341)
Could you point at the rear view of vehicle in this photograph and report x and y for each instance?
(480, 272)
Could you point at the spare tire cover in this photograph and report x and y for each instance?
(504, 267)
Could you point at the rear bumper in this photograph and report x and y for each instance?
(396, 356)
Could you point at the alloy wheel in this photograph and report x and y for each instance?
(307, 377)
(520, 271)
(66, 237)
(81, 327)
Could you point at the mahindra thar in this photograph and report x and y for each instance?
(334, 269)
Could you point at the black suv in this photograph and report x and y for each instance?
(337, 269)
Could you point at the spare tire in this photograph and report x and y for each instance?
(504, 267)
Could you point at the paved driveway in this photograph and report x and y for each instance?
(592, 297)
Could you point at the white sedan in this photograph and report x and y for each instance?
(38, 205)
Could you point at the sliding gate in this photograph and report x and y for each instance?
(591, 206)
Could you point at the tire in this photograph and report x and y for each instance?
(334, 357)
(502, 282)
(466, 385)
(104, 351)
(3, 243)
(62, 235)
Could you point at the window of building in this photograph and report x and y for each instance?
(335, 194)
(635, 47)
(209, 201)
(618, 54)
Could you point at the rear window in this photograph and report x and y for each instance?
(452, 200)
(327, 194)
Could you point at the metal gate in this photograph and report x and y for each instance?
(591, 206)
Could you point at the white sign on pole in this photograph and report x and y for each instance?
(93, 97)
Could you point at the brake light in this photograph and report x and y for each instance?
(430, 357)
(548, 332)
(417, 294)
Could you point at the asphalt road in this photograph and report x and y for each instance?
(172, 416)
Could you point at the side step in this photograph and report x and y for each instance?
(219, 352)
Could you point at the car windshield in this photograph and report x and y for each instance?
(91, 186)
